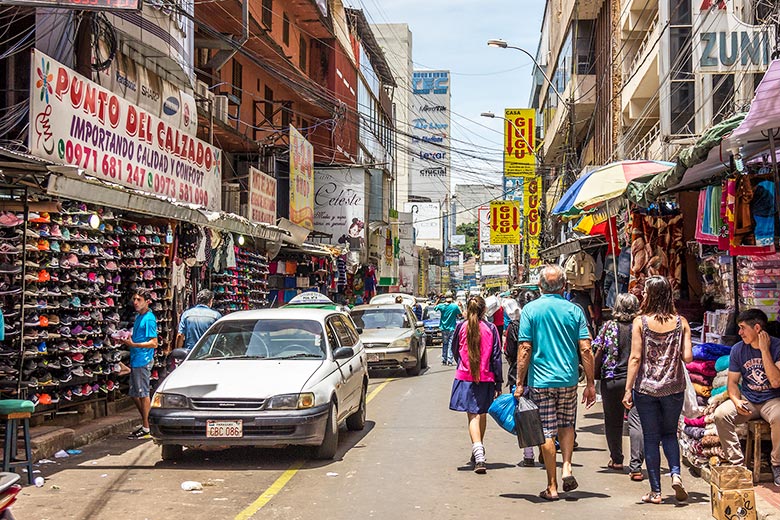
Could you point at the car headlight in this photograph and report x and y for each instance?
(291, 401)
(161, 400)
(401, 343)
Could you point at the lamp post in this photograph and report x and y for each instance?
(568, 104)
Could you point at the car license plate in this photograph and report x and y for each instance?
(374, 357)
(224, 429)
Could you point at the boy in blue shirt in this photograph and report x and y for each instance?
(142, 345)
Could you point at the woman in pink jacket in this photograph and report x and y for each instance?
(478, 376)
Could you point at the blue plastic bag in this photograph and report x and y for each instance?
(502, 409)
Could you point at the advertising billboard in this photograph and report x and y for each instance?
(426, 219)
(77, 122)
(429, 168)
(519, 142)
(340, 204)
(262, 197)
(301, 180)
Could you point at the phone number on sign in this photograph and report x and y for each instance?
(117, 170)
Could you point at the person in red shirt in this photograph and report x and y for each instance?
(498, 321)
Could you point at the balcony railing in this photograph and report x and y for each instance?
(642, 148)
(650, 38)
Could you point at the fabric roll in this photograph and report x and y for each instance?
(702, 390)
(722, 363)
(710, 441)
(720, 380)
(705, 368)
(700, 379)
(698, 422)
(694, 432)
(710, 351)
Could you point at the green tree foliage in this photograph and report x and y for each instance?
(471, 230)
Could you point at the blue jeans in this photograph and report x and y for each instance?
(446, 346)
(659, 417)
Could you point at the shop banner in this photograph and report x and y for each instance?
(426, 219)
(262, 197)
(519, 142)
(483, 231)
(77, 122)
(340, 205)
(301, 180)
(504, 222)
(532, 189)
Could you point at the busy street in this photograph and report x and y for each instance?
(411, 461)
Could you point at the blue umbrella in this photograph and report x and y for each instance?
(566, 203)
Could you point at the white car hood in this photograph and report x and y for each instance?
(244, 378)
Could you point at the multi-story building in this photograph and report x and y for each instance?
(631, 79)
(469, 197)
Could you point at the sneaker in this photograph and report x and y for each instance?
(776, 475)
(529, 463)
(140, 433)
(480, 468)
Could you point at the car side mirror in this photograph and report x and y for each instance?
(343, 353)
(359, 330)
(179, 354)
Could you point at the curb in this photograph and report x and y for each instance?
(48, 440)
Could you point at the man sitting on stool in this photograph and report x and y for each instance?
(757, 360)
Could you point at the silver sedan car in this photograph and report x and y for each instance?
(392, 337)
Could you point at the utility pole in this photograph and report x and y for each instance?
(84, 44)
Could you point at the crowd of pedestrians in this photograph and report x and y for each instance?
(639, 357)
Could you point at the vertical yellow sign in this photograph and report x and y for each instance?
(301, 180)
(532, 192)
(504, 222)
(519, 142)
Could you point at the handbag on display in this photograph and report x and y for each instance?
(528, 423)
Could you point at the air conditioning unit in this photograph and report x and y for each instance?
(221, 109)
(231, 197)
(202, 88)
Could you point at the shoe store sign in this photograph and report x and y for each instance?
(75, 121)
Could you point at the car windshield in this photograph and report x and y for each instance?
(262, 339)
(433, 314)
(381, 318)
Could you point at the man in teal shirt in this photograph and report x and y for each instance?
(142, 346)
(553, 336)
(450, 312)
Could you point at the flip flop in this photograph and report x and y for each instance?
(547, 496)
(570, 483)
(636, 476)
(614, 466)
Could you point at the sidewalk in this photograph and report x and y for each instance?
(48, 440)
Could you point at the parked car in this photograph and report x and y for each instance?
(392, 336)
(380, 299)
(268, 378)
(432, 327)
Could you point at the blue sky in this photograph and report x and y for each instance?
(453, 34)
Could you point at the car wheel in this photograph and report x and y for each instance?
(357, 421)
(172, 451)
(417, 368)
(424, 363)
(327, 450)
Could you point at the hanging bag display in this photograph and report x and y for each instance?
(528, 423)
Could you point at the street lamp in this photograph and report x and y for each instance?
(502, 44)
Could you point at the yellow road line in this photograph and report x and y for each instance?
(377, 390)
(271, 492)
(282, 481)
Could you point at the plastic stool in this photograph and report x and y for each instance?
(11, 412)
(756, 429)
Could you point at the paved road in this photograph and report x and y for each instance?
(407, 463)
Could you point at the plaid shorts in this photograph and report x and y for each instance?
(557, 408)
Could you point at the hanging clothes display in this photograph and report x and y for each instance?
(708, 219)
(580, 271)
(750, 215)
(656, 246)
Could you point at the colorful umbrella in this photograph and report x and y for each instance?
(566, 203)
(610, 181)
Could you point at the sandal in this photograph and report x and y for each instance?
(679, 490)
(613, 466)
(570, 483)
(548, 496)
(652, 498)
(636, 476)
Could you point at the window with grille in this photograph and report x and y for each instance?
(268, 13)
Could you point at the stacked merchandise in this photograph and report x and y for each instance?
(721, 376)
(759, 283)
(717, 280)
(145, 265)
(244, 286)
(11, 246)
(698, 438)
(291, 275)
(71, 288)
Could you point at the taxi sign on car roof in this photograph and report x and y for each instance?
(311, 298)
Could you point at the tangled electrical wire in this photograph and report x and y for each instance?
(104, 42)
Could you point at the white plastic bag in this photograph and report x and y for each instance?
(691, 407)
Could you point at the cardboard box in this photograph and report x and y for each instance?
(733, 504)
(731, 477)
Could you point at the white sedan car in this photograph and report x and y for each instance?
(266, 378)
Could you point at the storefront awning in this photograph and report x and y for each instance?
(572, 246)
(96, 192)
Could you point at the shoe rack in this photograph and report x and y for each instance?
(244, 287)
(145, 264)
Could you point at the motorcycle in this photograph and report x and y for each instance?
(8, 491)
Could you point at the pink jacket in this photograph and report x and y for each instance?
(490, 353)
